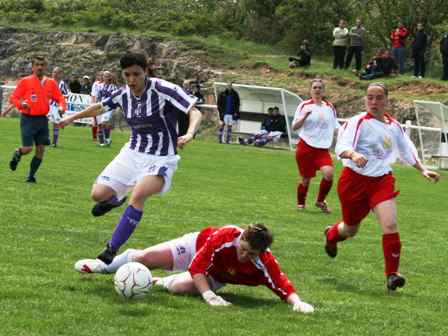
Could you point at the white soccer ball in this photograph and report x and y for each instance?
(133, 280)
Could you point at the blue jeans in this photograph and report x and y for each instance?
(399, 55)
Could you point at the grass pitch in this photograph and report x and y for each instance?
(46, 227)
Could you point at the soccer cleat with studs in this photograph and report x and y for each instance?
(102, 208)
(90, 266)
(323, 206)
(15, 160)
(107, 255)
(395, 281)
(330, 248)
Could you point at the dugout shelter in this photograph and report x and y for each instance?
(254, 103)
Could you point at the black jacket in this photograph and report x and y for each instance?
(274, 124)
(444, 45)
(420, 41)
(235, 102)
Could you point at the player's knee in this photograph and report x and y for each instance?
(97, 195)
(26, 150)
(305, 181)
(351, 230)
(138, 256)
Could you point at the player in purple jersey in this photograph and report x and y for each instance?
(146, 164)
(105, 90)
(54, 114)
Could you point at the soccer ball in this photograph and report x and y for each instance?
(133, 280)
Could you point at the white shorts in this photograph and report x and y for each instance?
(183, 250)
(130, 167)
(53, 114)
(228, 119)
(104, 118)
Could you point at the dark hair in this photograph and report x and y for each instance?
(134, 58)
(381, 85)
(258, 236)
(39, 58)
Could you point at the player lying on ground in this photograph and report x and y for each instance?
(146, 164)
(209, 259)
(369, 144)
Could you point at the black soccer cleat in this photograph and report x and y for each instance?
(330, 248)
(107, 255)
(31, 179)
(15, 160)
(394, 281)
(101, 208)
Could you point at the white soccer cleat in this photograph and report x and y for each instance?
(90, 266)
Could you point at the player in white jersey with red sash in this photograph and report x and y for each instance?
(315, 120)
(210, 259)
(368, 145)
(146, 164)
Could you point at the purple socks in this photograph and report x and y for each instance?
(128, 222)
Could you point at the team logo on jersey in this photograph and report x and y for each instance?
(387, 142)
(231, 271)
(33, 97)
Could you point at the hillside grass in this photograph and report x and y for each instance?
(46, 227)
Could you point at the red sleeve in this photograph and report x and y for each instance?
(276, 280)
(18, 95)
(57, 95)
(213, 244)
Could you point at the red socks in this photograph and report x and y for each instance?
(94, 132)
(333, 235)
(301, 194)
(324, 189)
(391, 250)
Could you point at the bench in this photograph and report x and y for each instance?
(439, 159)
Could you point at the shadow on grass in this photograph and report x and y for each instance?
(246, 301)
(362, 288)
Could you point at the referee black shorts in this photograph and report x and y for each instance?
(34, 130)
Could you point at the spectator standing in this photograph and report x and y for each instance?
(229, 110)
(340, 44)
(418, 51)
(444, 53)
(398, 40)
(74, 84)
(356, 45)
(86, 87)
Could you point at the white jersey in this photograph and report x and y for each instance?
(382, 143)
(318, 129)
(95, 90)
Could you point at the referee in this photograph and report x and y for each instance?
(32, 97)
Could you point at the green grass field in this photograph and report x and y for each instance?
(46, 227)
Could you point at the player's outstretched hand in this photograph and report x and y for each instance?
(214, 300)
(303, 307)
(184, 139)
(66, 121)
(431, 175)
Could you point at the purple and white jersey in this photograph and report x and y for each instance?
(105, 91)
(63, 88)
(152, 116)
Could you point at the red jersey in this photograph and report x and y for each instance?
(38, 94)
(216, 256)
(397, 39)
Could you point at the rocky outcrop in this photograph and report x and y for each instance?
(86, 53)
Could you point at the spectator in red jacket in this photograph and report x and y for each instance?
(398, 40)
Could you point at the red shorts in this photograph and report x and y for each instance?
(310, 159)
(359, 194)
